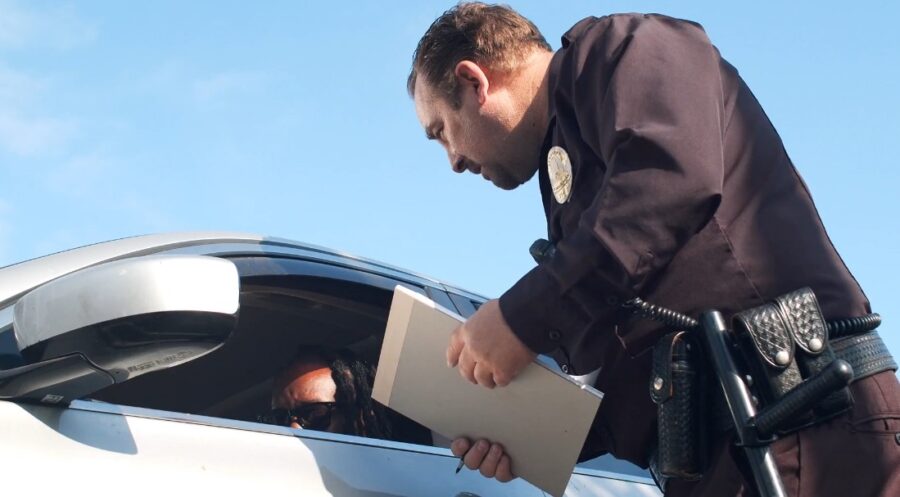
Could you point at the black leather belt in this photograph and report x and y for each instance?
(866, 353)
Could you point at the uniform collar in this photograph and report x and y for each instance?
(577, 30)
(556, 64)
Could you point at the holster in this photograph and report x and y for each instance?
(784, 342)
(675, 387)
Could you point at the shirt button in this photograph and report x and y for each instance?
(554, 335)
(565, 368)
(611, 300)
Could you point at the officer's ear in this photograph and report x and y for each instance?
(472, 78)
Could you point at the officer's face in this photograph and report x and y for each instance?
(478, 137)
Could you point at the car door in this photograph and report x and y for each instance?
(192, 427)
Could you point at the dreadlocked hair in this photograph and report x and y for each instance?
(354, 379)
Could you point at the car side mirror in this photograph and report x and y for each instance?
(109, 323)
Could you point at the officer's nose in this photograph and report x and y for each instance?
(456, 162)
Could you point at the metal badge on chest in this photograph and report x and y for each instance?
(559, 170)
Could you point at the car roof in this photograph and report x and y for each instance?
(17, 279)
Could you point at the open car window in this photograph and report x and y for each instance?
(285, 305)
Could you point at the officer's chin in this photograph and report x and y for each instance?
(507, 178)
(505, 183)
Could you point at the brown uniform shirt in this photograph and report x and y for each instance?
(682, 194)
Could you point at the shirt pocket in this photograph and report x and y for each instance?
(885, 424)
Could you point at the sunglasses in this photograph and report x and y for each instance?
(311, 416)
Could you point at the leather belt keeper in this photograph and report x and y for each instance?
(676, 390)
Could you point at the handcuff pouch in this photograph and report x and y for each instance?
(814, 352)
(785, 342)
(768, 348)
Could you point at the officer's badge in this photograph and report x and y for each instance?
(560, 172)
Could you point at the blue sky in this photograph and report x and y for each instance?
(291, 119)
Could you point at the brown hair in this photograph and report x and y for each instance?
(493, 35)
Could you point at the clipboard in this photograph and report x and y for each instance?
(541, 418)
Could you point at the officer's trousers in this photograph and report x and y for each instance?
(854, 455)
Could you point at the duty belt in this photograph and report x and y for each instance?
(866, 353)
(787, 353)
(671, 458)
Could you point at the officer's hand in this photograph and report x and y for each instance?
(485, 457)
(486, 349)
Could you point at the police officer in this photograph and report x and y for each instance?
(661, 177)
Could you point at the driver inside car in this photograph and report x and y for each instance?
(332, 391)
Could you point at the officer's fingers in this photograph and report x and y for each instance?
(491, 460)
(483, 375)
(476, 454)
(454, 348)
(501, 379)
(460, 446)
(504, 470)
(466, 366)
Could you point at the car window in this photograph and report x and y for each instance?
(441, 298)
(9, 352)
(464, 305)
(286, 305)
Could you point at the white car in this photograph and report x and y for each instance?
(139, 367)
